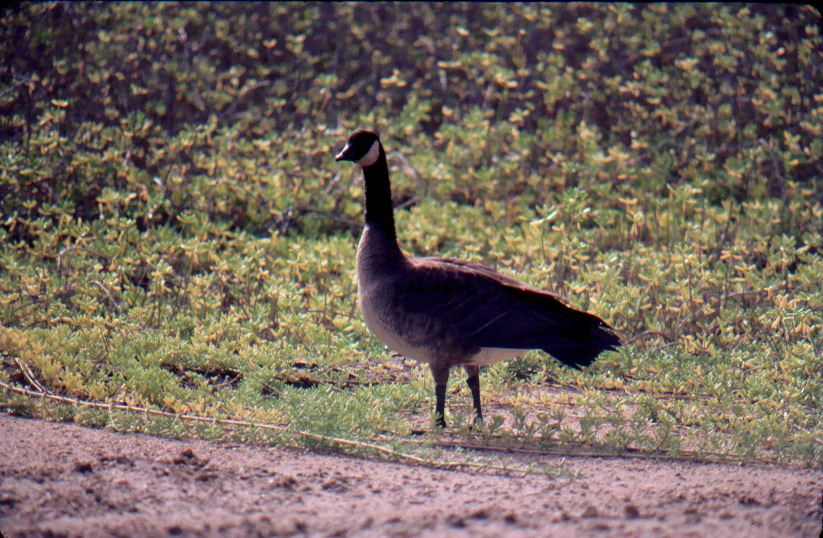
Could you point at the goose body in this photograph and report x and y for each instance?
(447, 312)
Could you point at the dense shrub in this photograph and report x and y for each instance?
(147, 109)
(176, 234)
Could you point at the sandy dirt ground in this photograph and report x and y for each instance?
(59, 479)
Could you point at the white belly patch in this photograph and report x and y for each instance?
(491, 355)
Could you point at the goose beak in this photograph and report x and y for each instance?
(345, 154)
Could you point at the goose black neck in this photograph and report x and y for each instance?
(378, 196)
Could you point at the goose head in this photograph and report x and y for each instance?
(362, 147)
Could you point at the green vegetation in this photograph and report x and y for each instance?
(176, 237)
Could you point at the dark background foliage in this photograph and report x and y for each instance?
(125, 96)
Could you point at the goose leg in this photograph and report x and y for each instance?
(440, 406)
(473, 381)
(441, 379)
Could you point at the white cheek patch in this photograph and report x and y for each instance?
(371, 157)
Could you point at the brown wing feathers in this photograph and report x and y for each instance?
(487, 309)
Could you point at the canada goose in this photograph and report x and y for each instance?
(448, 312)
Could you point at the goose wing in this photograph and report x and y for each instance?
(478, 307)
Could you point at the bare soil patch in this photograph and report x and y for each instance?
(59, 479)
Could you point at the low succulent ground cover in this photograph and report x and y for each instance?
(177, 243)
